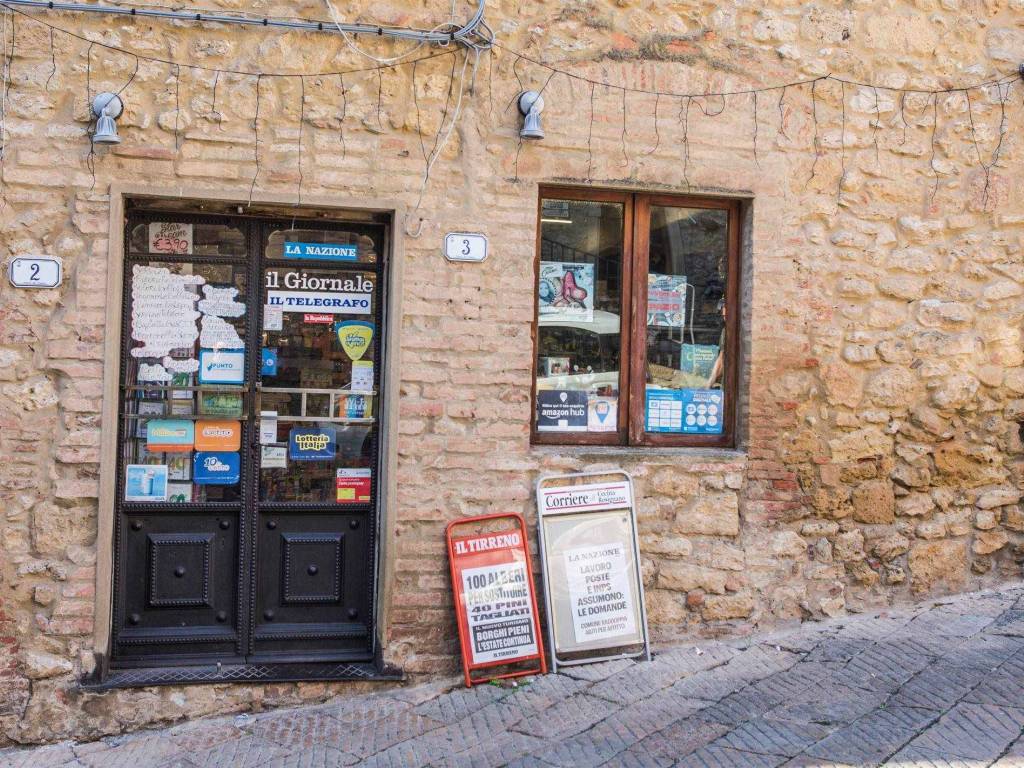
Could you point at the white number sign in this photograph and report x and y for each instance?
(35, 272)
(465, 246)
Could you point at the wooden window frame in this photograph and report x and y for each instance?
(632, 325)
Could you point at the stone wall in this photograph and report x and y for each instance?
(882, 318)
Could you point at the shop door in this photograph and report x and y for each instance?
(248, 467)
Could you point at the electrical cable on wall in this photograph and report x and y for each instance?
(474, 38)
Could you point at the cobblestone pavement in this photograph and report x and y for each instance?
(941, 684)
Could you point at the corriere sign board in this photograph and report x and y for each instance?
(590, 560)
(494, 598)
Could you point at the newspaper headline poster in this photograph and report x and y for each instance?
(599, 592)
(666, 301)
(494, 598)
(566, 291)
(589, 553)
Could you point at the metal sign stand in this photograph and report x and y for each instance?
(590, 500)
(495, 604)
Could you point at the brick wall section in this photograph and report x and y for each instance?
(882, 459)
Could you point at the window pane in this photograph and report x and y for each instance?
(187, 239)
(184, 371)
(319, 382)
(579, 303)
(686, 321)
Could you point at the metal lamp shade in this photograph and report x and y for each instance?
(106, 131)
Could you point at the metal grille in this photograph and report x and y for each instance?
(241, 673)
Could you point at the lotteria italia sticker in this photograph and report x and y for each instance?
(312, 443)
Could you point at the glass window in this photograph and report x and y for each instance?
(176, 238)
(321, 384)
(579, 301)
(184, 405)
(662, 376)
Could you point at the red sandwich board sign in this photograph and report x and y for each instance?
(495, 605)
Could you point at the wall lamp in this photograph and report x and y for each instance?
(531, 104)
(106, 107)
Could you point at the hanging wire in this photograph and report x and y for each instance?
(476, 37)
(440, 140)
(590, 134)
(130, 80)
(878, 119)
(302, 120)
(977, 149)
(53, 62)
(756, 161)
(842, 146)
(214, 114)
(625, 154)
(657, 132)
(935, 126)
(685, 115)
(416, 104)
(177, 106)
(1002, 122)
(344, 114)
(782, 117)
(903, 117)
(744, 91)
(380, 94)
(817, 141)
(256, 139)
(3, 98)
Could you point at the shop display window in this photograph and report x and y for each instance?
(636, 324)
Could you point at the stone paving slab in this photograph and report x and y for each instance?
(938, 684)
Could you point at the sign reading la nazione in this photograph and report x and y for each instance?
(321, 251)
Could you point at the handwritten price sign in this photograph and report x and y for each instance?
(170, 237)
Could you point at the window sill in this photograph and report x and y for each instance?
(634, 453)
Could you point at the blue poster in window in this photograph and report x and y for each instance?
(321, 251)
(269, 365)
(698, 359)
(215, 468)
(145, 482)
(312, 443)
(686, 411)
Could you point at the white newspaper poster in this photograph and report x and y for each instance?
(163, 310)
(500, 615)
(599, 592)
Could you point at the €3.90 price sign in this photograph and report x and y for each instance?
(495, 604)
